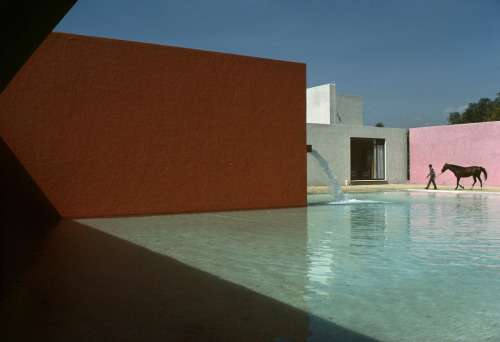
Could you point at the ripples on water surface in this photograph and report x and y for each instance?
(394, 266)
(413, 267)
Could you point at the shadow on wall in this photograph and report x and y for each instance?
(90, 286)
(20, 196)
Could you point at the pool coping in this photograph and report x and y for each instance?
(313, 190)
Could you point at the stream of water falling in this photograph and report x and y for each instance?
(335, 188)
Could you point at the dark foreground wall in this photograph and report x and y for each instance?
(107, 127)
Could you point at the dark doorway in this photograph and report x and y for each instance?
(367, 159)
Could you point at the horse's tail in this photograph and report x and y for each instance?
(485, 174)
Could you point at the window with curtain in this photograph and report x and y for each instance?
(378, 159)
(367, 159)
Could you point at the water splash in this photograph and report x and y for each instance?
(356, 201)
(335, 188)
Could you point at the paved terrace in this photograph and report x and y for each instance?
(399, 187)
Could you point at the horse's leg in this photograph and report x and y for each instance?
(458, 183)
(480, 181)
(475, 180)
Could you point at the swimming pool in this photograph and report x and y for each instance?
(388, 266)
(412, 266)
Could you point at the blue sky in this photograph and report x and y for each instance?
(412, 61)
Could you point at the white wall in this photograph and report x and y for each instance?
(333, 143)
(320, 103)
(325, 106)
(349, 110)
(332, 120)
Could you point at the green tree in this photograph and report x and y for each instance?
(493, 112)
(454, 118)
(379, 124)
(484, 110)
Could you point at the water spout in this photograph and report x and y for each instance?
(335, 188)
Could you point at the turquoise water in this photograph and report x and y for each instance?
(407, 266)
(390, 266)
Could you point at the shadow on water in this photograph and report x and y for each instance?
(86, 285)
(19, 241)
(26, 216)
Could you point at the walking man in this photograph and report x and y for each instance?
(432, 178)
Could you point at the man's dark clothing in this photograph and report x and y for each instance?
(432, 178)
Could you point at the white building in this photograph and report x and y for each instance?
(356, 154)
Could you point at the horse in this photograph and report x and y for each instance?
(460, 171)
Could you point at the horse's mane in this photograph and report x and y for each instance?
(462, 167)
(453, 167)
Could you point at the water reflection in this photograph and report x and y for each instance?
(461, 229)
(343, 241)
(391, 268)
(380, 270)
(236, 276)
(368, 222)
(87, 285)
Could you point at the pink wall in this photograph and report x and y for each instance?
(465, 145)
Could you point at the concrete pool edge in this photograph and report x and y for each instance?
(315, 190)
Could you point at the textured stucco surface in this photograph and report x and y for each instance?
(349, 110)
(466, 145)
(325, 106)
(108, 127)
(321, 103)
(333, 143)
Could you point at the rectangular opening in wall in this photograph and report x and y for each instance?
(367, 159)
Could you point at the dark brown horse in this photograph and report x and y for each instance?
(460, 171)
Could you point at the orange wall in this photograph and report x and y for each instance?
(108, 127)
